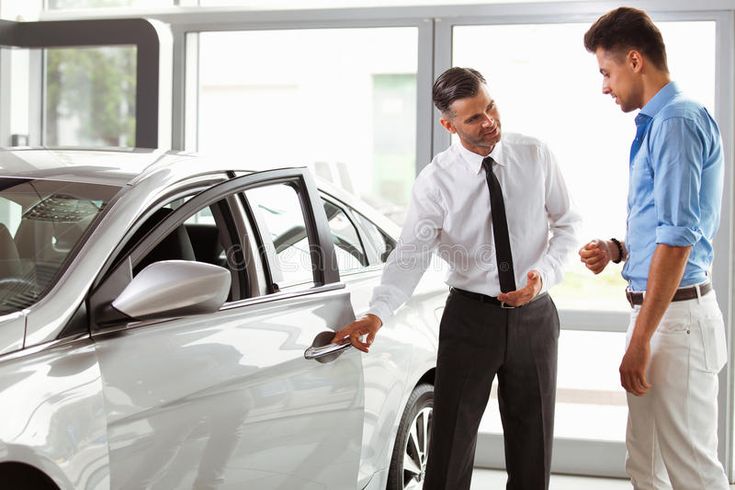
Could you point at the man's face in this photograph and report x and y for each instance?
(621, 78)
(476, 121)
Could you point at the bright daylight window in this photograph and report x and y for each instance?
(342, 101)
(548, 86)
(90, 96)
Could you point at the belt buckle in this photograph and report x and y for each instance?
(630, 295)
(506, 306)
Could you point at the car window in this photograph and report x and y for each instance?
(41, 223)
(280, 218)
(348, 248)
(205, 236)
(380, 241)
(204, 216)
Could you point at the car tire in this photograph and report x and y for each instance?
(411, 449)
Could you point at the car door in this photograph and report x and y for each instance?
(405, 348)
(229, 399)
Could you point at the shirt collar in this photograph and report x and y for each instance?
(473, 161)
(658, 101)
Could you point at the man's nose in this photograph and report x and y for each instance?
(605, 88)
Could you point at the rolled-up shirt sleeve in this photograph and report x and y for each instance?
(677, 151)
(412, 255)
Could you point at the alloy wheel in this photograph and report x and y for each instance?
(416, 451)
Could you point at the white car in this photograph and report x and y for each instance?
(165, 323)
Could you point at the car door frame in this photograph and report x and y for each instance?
(324, 270)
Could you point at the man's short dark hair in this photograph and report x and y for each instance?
(626, 28)
(453, 84)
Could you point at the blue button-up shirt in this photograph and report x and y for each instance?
(675, 190)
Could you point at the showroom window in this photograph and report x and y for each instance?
(341, 101)
(90, 96)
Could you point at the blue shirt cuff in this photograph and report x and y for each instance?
(677, 236)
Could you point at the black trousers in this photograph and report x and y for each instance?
(477, 341)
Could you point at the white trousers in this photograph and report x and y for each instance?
(672, 429)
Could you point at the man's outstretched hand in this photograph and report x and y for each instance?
(366, 325)
(524, 295)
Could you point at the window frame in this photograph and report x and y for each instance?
(320, 241)
(185, 93)
(224, 216)
(153, 47)
(317, 228)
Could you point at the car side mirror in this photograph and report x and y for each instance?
(172, 288)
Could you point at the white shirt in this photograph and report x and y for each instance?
(450, 213)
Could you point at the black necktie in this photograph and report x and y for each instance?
(500, 229)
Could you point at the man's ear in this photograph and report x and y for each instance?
(635, 60)
(447, 125)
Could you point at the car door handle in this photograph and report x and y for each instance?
(322, 350)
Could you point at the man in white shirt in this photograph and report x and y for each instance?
(496, 208)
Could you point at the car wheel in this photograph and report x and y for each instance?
(408, 463)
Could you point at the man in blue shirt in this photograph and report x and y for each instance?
(676, 337)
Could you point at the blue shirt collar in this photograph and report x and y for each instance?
(662, 97)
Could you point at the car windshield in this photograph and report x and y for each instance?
(41, 222)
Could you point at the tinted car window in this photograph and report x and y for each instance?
(347, 246)
(41, 223)
(381, 242)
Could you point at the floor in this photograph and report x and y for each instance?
(493, 479)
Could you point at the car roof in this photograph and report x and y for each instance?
(121, 167)
(101, 166)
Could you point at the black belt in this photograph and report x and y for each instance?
(681, 294)
(484, 298)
